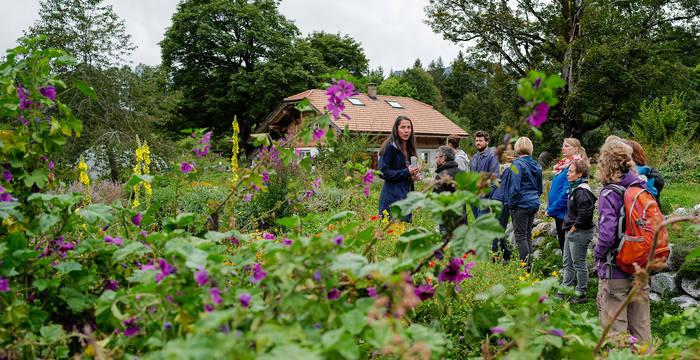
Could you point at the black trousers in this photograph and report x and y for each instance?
(503, 220)
(522, 226)
(561, 234)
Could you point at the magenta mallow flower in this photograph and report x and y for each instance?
(317, 182)
(368, 177)
(265, 176)
(48, 92)
(424, 292)
(333, 294)
(4, 285)
(7, 175)
(556, 332)
(501, 342)
(543, 298)
(244, 299)
(24, 102)
(539, 116)
(496, 330)
(453, 271)
(215, 295)
(115, 241)
(136, 220)
(258, 273)
(201, 276)
(318, 133)
(269, 236)
(372, 292)
(247, 197)
(185, 167)
(537, 83)
(165, 270)
(208, 308)
(367, 190)
(110, 285)
(287, 242)
(632, 339)
(131, 328)
(338, 239)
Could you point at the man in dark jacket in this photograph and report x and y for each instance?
(483, 161)
(446, 170)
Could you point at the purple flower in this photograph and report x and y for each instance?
(317, 325)
(452, 271)
(51, 165)
(537, 83)
(458, 289)
(48, 92)
(149, 266)
(136, 220)
(244, 299)
(501, 342)
(539, 116)
(131, 329)
(556, 332)
(258, 273)
(110, 285)
(333, 294)
(115, 241)
(24, 102)
(438, 254)
(317, 276)
(338, 239)
(632, 339)
(496, 330)
(215, 296)
(4, 285)
(208, 308)
(367, 190)
(144, 233)
(23, 120)
(424, 292)
(7, 175)
(247, 197)
(542, 318)
(185, 167)
(317, 182)
(268, 236)
(506, 139)
(368, 177)
(201, 276)
(168, 326)
(165, 270)
(287, 242)
(265, 176)
(318, 133)
(372, 292)
(543, 298)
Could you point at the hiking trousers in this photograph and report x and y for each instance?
(635, 318)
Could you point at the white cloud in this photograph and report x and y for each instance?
(392, 32)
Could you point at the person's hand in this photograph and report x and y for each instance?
(546, 213)
(573, 229)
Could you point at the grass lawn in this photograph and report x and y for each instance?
(686, 196)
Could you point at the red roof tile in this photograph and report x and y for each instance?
(378, 116)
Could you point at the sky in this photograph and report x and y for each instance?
(391, 32)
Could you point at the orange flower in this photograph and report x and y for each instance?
(375, 217)
(432, 263)
(429, 280)
(390, 231)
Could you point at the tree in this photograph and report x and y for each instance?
(394, 87)
(92, 33)
(235, 57)
(628, 47)
(426, 91)
(340, 52)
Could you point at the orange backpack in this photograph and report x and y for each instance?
(638, 218)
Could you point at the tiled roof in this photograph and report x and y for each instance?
(378, 116)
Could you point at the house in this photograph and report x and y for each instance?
(369, 114)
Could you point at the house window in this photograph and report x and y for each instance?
(356, 101)
(394, 104)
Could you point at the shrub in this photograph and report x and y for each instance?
(346, 149)
(662, 119)
(103, 191)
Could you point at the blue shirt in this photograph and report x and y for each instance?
(485, 161)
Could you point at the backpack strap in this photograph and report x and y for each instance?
(621, 223)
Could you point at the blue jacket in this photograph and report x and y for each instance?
(397, 178)
(523, 188)
(498, 193)
(485, 162)
(557, 197)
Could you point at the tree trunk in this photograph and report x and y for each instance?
(572, 12)
(112, 162)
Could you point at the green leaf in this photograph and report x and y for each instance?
(347, 347)
(354, 321)
(76, 300)
(260, 139)
(66, 60)
(340, 217)
(43, 284)
(94, 212)
(134, 248)
(37, 177)
(349, 261)
(136, 179)
(693, 254)
(331, 338)
(554, 82)
(8, 209)
(46, 221)
(85, 88)
(291, 222)
(290, 352)
(413, 201)
(478, 236)
(67, 267)
(52, 333)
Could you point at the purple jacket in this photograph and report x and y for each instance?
(609, 206)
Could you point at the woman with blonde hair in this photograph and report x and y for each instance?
(615, 166)
(521, 195)
(571, 150)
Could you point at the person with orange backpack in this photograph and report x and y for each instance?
(628, 216)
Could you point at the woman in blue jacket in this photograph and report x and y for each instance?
(395, 165)
(572, 151)
(521, 194)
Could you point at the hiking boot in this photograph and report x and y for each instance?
(561, 296)
(578, 299)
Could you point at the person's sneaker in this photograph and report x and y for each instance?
(578, 299)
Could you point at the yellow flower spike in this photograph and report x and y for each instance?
(527, 275)
(522, 263)
(521, 278)
(234, 148)
(555, 274)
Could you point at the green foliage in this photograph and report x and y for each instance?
(662, 120)
(395, 87)
(345, 149)
(340, 52)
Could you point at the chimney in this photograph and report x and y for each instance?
(372, 90)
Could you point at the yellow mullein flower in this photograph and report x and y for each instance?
(84, 178)
(555, 274)
(234, 148)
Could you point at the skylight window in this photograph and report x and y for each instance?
(394, 104)
(356, 101)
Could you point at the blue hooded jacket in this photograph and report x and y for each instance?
(522, 188)
(557, 197)
(397, 178)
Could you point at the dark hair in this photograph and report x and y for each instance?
(453, 140)
(410, 144)
(582, 167)
(638, 154)
(482, 134)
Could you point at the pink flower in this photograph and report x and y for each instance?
(244, 299)
(185, 167)
(367, 190)
(318, 133)
(215, 296)
(372, 292)
(136, 220)
(201, 276)
(333, 294)
(4, 285)
(539, 116)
